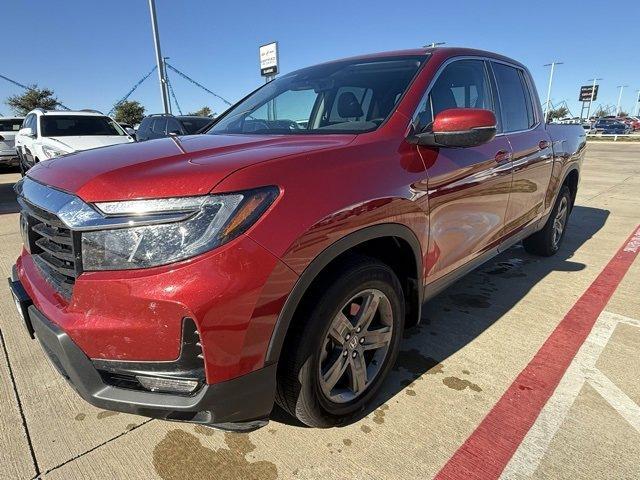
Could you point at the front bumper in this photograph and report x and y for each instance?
(242, 404)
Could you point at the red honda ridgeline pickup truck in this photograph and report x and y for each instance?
(280, 255)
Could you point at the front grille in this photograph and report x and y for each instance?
(52, 246)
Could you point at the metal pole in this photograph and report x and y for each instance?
(166, 79)
(638, 104)
(593, 91)
(621, 87)
(547, 105)
(159, 61)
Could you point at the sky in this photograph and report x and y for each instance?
(92, 52)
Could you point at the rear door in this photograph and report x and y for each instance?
(468, 187)
(532, 160)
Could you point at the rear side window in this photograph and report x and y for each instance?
(173, 126)
(515, 100)
(11, 125)
(159, 126)
(462, 84)
(144, 127)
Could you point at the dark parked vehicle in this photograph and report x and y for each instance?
(280, 256)
(161, 125)
(611, 126)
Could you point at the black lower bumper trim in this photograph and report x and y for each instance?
(242, 403)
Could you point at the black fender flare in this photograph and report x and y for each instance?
(322, 260)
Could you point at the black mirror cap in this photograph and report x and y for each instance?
(463, 139)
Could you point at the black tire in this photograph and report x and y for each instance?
(299, 391)
(542, 242)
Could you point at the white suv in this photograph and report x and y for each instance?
(50, 133)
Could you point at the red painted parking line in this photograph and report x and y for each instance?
(485, 454)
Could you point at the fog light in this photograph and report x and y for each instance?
(167, 385)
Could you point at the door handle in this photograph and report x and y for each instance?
(503, 156)
(543, 144)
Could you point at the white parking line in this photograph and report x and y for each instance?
(582, 369)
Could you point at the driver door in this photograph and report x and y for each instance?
(468, 188)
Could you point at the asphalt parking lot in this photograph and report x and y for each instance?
(481, 388)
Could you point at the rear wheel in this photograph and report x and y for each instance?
(342, 344)
(547, 241)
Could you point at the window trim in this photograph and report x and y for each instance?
(526, 75)
(490, 80)
(493, 85)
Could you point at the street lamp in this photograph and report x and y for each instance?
(547, 105)
(621, 87)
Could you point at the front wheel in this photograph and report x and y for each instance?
(342, 344)
(547, 241)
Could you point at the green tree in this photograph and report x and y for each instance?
(33, 98)
(558, 113)
(129, 111)
(203, 112)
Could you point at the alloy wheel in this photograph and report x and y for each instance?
(356, 346)
(560, 221)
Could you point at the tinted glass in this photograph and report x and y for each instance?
(11, 125)
(315, 100)
(173, 126)
(70, 125)
(462, 84)
(192, 125)
(159, 126)
(513, 98)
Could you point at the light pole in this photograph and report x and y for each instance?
(593, 92)
(166, 80)
(638, 103)
(164, 93)
(547, 105)
(621, 87)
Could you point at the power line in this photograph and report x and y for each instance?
(29, 88)
(124, 99)
(198, 84)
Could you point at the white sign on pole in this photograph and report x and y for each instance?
(269, 59)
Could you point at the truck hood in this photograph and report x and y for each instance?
(170, 167)
(84, 142)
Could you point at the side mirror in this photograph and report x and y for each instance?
(458, 127)
(27, 132)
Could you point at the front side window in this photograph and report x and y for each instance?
(78, 125)
(462, 84)
(159, 126)
(10, 125)
(350, 96)
(513, 98)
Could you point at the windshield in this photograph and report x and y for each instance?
(350, 96)
(72, 125)
(11, 125)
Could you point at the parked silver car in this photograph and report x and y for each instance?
(9, 126)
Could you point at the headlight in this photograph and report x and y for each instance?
(209, 222)
(50, 152)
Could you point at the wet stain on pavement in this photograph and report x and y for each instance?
(411, 393)
(466, 372)
(416, 363)
(460, 384)
(80, 417)
(378, 415)
(470, 300)
(106, 414)
(130, 426)
(181, 456)
(347, 442)
(507, 269)
(365, 428)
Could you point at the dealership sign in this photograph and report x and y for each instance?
(269, 59)
(586, 91)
